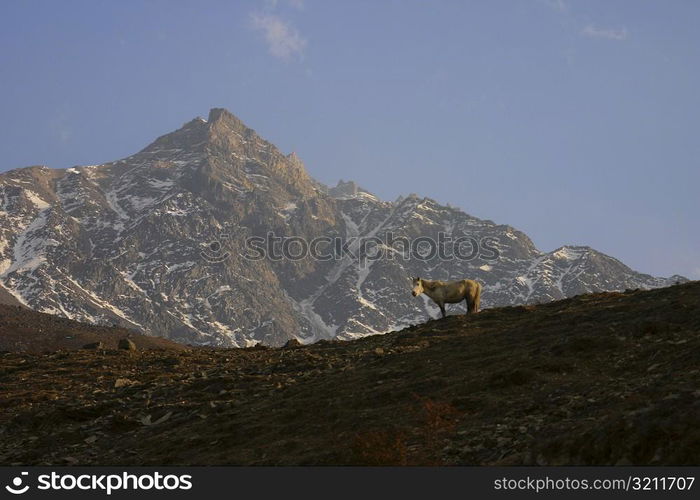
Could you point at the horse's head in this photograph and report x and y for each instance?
(417, 287)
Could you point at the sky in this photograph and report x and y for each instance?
(574, 121)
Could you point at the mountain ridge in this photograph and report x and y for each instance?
(139, 242)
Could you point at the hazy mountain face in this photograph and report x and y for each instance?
(210, 235)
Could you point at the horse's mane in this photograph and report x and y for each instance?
(430, 284)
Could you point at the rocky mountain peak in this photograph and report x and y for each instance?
(348, 189)
(223, 122)
(221, 129)
(343, 188)
(217, 115)
(190, 137)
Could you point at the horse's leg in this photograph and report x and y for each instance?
(468, 305)
(442, 309)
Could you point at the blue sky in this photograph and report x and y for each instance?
(574, 121)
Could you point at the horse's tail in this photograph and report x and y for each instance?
(476, 302)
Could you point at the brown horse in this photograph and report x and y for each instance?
(450, 292)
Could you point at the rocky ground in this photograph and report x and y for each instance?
(610, 378)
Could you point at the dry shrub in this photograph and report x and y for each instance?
(439, 419)
(380, 447)
(420, 444)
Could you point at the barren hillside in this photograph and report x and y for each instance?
(608, 378)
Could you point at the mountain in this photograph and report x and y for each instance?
(598, 379)
(160, 242)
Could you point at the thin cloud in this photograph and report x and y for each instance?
(283, 40)
(61, 125)
(296, 4)
(592, 31)
(558, 5)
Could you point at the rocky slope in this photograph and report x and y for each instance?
(609, 378)
(24, 330)
(156, 242)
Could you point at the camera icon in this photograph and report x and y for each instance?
(16, 487)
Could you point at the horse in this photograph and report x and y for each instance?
(450, 292)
